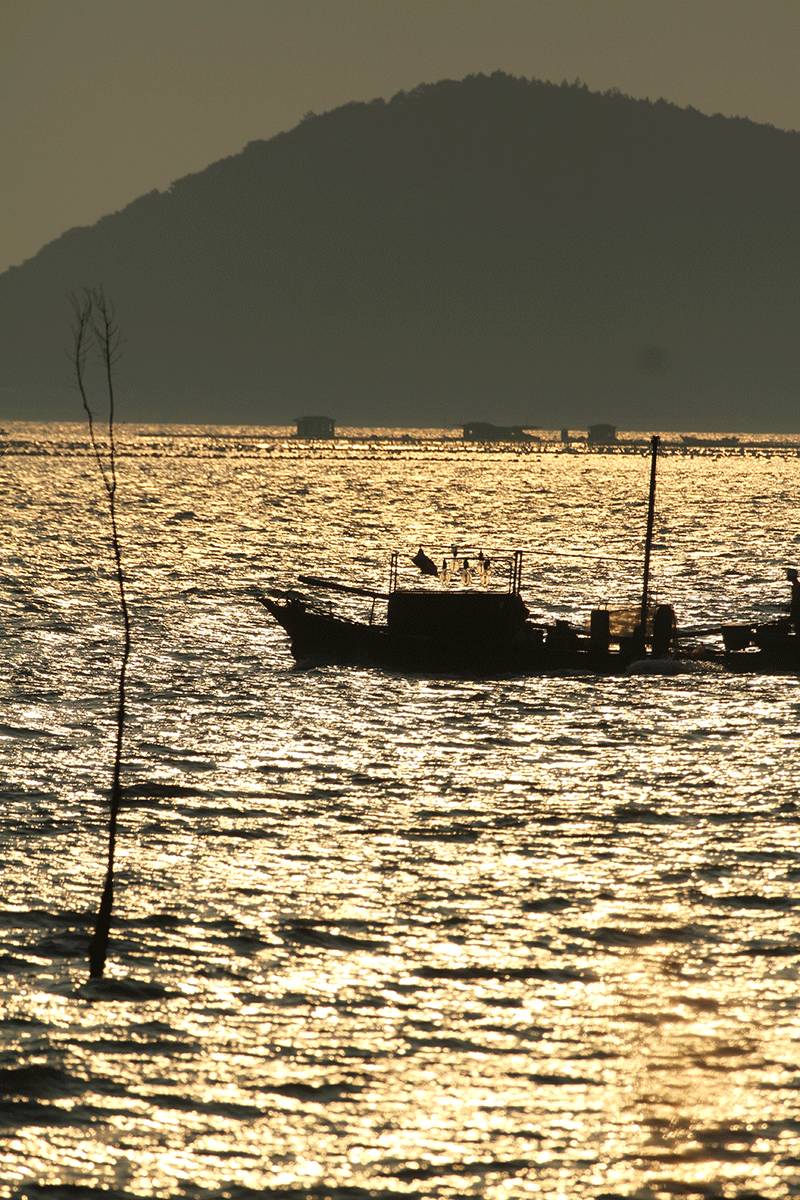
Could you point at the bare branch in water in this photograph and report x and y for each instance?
(94, 320)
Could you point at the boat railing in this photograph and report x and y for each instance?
(487, 569)
(460, 567)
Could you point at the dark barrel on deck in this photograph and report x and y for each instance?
(599, 630)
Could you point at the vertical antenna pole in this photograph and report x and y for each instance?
(648, 542)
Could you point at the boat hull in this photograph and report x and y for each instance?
(326, 638)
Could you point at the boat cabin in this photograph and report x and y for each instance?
(457, 615)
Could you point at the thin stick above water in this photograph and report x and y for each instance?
(94, 321)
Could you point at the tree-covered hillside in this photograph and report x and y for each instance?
(492, 248)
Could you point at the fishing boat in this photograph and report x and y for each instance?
(466, 618)
(766, 648)
(751, 645)
(469, 617)
(469, 632)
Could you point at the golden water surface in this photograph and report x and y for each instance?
(381, 936)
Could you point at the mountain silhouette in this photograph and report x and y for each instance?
(494, 248)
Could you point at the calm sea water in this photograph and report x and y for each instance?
(381, 936)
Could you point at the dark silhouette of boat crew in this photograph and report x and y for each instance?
(794, 601)
(426, 565)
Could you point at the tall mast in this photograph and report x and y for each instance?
(648, 542)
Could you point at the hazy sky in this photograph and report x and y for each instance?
(101, 100)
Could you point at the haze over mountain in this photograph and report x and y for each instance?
(493, 248)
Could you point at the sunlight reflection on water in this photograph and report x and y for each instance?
(418, 937)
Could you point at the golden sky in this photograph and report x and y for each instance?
(102, 100)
